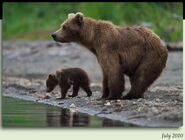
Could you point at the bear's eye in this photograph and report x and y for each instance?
(64, 27)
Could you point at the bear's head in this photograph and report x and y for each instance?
(51, 82)
(70, 29)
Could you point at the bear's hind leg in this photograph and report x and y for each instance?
(145, 75)
(137, 90)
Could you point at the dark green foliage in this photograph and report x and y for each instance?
(38, 20)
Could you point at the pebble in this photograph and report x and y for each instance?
(37, 100)
(157, 100)
(154, 110)
(118, 109)
(139, 100)
(119, 105)
(140, 109)
(104, 109)
(113, 101)
(47, 97)
(134, 103)
(72, 110)
(72, 105)
(108, 104)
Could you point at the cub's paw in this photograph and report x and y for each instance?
(72, 95)
(88, 95)
(60, 98)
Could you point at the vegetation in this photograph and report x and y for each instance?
(38, 20)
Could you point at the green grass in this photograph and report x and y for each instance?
(37, 20)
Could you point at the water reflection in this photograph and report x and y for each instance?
(71, 118)
(66, 118)
(19, 113)
(110, 123)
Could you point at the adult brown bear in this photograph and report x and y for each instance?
(134, 51)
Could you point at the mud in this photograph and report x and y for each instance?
(27, 64)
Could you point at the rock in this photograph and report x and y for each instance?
(37, 100)
(113, 101)
(72, 106)
(39, 96)
(107, 104)
(154, 110)
(157, 100)
(72, 110)
(134, 103)
(47, 97)
(139, 100)
(140, 109)
(119, 104)
(118, 109)
(104, 109)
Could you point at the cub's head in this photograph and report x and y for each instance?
(70, 29)
(51, 82)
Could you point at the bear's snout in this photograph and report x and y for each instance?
(53, 35)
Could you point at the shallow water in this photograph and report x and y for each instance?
(19, 113)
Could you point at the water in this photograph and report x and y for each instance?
(19, 113)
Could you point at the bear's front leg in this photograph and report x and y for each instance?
(116, 83)
(105, 86)
(63, 92)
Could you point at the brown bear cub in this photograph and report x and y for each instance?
(66, 78)
(133, 51)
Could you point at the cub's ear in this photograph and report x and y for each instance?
(79, 18)
(50, 76)
(58, 74)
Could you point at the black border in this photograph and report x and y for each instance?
(1, 10)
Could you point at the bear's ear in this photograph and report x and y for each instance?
(79, 18)
(71, 15)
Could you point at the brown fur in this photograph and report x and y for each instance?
(67, 77)
(134, 51)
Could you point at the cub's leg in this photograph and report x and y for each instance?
(63, 92)
(87, 90)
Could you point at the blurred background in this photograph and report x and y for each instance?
(33, 21)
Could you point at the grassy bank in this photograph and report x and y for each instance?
(38, 20)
